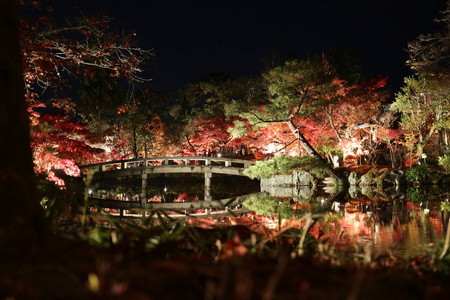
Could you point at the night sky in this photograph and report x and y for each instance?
(194, 38)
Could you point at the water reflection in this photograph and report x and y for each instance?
(383, 220)
(398, 226)
(173, 187)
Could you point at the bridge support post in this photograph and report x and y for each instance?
(144, 189)
(208, 176)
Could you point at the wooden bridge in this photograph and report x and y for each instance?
(175, 164)
(144, 167)
(190, 209)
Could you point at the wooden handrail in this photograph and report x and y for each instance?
(166, 160)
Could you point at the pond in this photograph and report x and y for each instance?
(401, 224)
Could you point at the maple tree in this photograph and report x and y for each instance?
(359, 119)
(211, 133)
(361, 104)
(52, 53)
(58, 142)
(306, 106)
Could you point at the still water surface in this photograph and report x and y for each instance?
(399, 224)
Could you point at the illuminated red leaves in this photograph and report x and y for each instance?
(231, 248)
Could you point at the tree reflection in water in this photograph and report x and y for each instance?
(400, 223)
(397, 226)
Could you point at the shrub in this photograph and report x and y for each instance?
(417, 173)
(287, 164)
(270, 206)
(445, 206)
(444, 161)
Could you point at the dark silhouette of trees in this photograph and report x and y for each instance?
(21, 221)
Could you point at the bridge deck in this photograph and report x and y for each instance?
(175, 164)
(171, 170)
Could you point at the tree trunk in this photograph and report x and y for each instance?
(330, 119)
(99, 130)
(304, 142)
(21, 217)
(135, 144)
(423, 141)
(189, 143)
(308, 148)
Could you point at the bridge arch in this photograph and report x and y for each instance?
(144, 167)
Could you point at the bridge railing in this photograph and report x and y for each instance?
(168, 160)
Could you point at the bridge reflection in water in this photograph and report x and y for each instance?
(388, 222)
(143, 170)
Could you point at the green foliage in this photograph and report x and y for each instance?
(287, 164)
(298, 88)
(102, 237)
(423, 104)
(416, 195)
(445, 206)
(238, 130)
(444, 161)
(270, 206)
(424, 174)
(418, 173)
(328, 217)
(205, 98)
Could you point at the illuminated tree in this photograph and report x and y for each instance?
(199, 113)
(52, 53)
(59, 142)
(359, 119)
(126, 123)
(140, 125)
(431, 52)
(424, 105)
(211, 133)
(298, 89)
(423, 100)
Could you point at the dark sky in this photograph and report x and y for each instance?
(194, 38)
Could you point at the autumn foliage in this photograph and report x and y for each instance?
(52, 53)
(301, 107)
